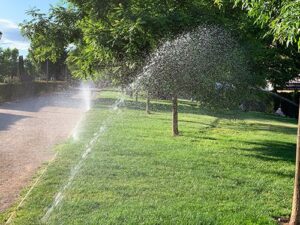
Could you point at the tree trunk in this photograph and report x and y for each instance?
(148, 103)
(21, 69)
(295, 216)
(136, 96)
(175, 115)
(66, 74)
(47, 70)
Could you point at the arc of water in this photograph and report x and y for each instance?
(74, 171)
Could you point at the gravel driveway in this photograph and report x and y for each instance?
(28, 131)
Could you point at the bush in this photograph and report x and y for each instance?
(9, 92)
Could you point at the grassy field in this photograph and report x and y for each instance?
(225, 168)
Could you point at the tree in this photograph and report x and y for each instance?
(120, 35)
(116, 37)
(205, 64)
(8, 63)
(281, 20)
(280, 17)
(32, 66)
(51, 36)
(273, 59)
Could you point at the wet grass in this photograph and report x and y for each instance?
(228, 168)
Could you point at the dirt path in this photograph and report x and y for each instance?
(28, 131)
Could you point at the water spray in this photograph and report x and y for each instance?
(87, 150)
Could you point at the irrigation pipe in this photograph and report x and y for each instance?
(279, 96)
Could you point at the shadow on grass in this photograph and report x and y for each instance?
(262, 127)
(271, 150)
(162, 106)
(266, 150)
(192, 108)
(254, 127)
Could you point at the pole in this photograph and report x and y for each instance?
(295, 215)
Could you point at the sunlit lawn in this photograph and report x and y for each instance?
(226, 168)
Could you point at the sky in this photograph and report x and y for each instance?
(12, 13)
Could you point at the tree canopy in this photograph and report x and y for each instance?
(51, 34)
(116, 37)
(282, 18)
(112, 35)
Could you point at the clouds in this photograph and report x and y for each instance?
(7, 25)
(12, 37)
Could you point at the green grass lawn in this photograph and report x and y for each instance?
(225, 168)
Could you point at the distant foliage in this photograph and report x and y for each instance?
(8, 64)
(11, 67)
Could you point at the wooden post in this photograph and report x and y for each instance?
(47, 70)
(295, 215)
(21, 70)
(136, 96)
(175, 115)
(148, 103)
